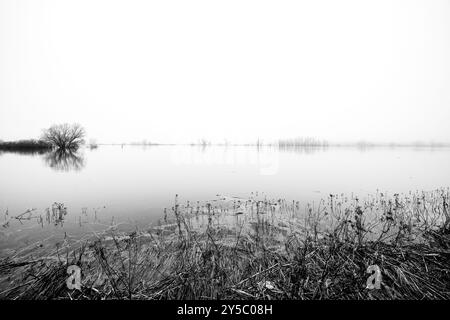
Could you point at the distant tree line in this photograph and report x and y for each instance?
(61, 137)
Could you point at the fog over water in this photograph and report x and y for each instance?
(179, 71)
(224, 150)
(231, 72)
(140, 181)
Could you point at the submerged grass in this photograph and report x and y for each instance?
(273, 251)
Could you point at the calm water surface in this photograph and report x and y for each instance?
(134, 184)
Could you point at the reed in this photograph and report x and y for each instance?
(302, 142)
(256, 248)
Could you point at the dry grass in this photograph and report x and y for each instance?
(270, 250)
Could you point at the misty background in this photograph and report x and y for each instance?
(178, 71)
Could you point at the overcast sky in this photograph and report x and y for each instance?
(177, 71)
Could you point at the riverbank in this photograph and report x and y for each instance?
(275, 254)
(25, 145)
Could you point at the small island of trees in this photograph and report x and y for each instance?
(62, 137)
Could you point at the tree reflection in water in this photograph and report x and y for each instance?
(65, 160)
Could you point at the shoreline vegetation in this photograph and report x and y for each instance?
(41, 146)
(63, 137)
(25, 145)
(292, 143)
(255, 248)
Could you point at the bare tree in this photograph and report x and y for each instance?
(64, 136)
